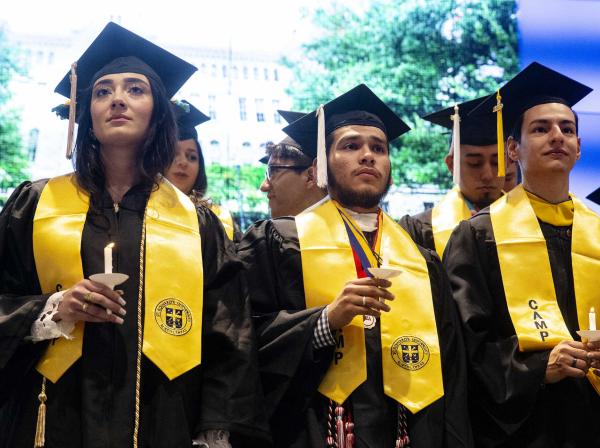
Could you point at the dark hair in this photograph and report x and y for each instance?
(285, 151)
(201, 184)
(516, 130)
(156, 152)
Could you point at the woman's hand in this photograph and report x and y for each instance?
(91, 302)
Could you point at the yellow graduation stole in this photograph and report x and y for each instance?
(225, 217)
(173, 286)
(527, 275)
(411, 360)
(445, 216)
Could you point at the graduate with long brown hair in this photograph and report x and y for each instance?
(166, 359)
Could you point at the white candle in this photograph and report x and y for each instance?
(386, 251)
(108, 258)
(592, 319)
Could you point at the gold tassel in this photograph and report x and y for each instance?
(72, 105)
(40, 428)
(500, 131)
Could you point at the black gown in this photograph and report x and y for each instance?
(509, 403)
(92, 405)
(291, 369)
(419, 228)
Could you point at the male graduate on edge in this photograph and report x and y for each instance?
(524, 274)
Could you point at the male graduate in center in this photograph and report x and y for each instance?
(349, 360)
(525, 277)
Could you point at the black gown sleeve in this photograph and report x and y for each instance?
(231, 393)
(457, 429)
(21, 301)
(291, 369)
(504, 382)
(419, 228)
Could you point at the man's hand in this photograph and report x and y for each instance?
(569, 359)
(359, 297)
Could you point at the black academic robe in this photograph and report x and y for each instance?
(510, 406)
(292, 369)
(92, 404)
(419, 228)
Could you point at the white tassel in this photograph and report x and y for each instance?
(456, 145)
(321, 149)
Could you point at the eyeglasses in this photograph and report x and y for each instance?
(271, 170)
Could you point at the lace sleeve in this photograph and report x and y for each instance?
(45, 328)
(212, 438)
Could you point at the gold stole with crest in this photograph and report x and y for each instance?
(411, 362)
(173, 284)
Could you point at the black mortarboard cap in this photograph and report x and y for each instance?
(264, 159)
(290, 116)
(118, 50)
(62, 110)
(594, 196)
(188, 117)
(536, 84)
(358, 106)
(476, 130)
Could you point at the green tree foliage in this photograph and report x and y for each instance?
(13, 156)
(418, 56)
(239, 183)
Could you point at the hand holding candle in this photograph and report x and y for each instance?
(108, 268)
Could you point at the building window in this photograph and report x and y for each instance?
(212, 107)
(214, 143)
(245, 72)
(276, 116)
(51, 57)
(234, 72)
(255, 73)
(260, 114)
(213, 71)
(246, 144)
(224, 71)
(275, 75)
(203, 68)
(266, 72)
(243, 114)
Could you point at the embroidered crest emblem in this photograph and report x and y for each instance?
(410, 352)
(173, 317)
(369, 322)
